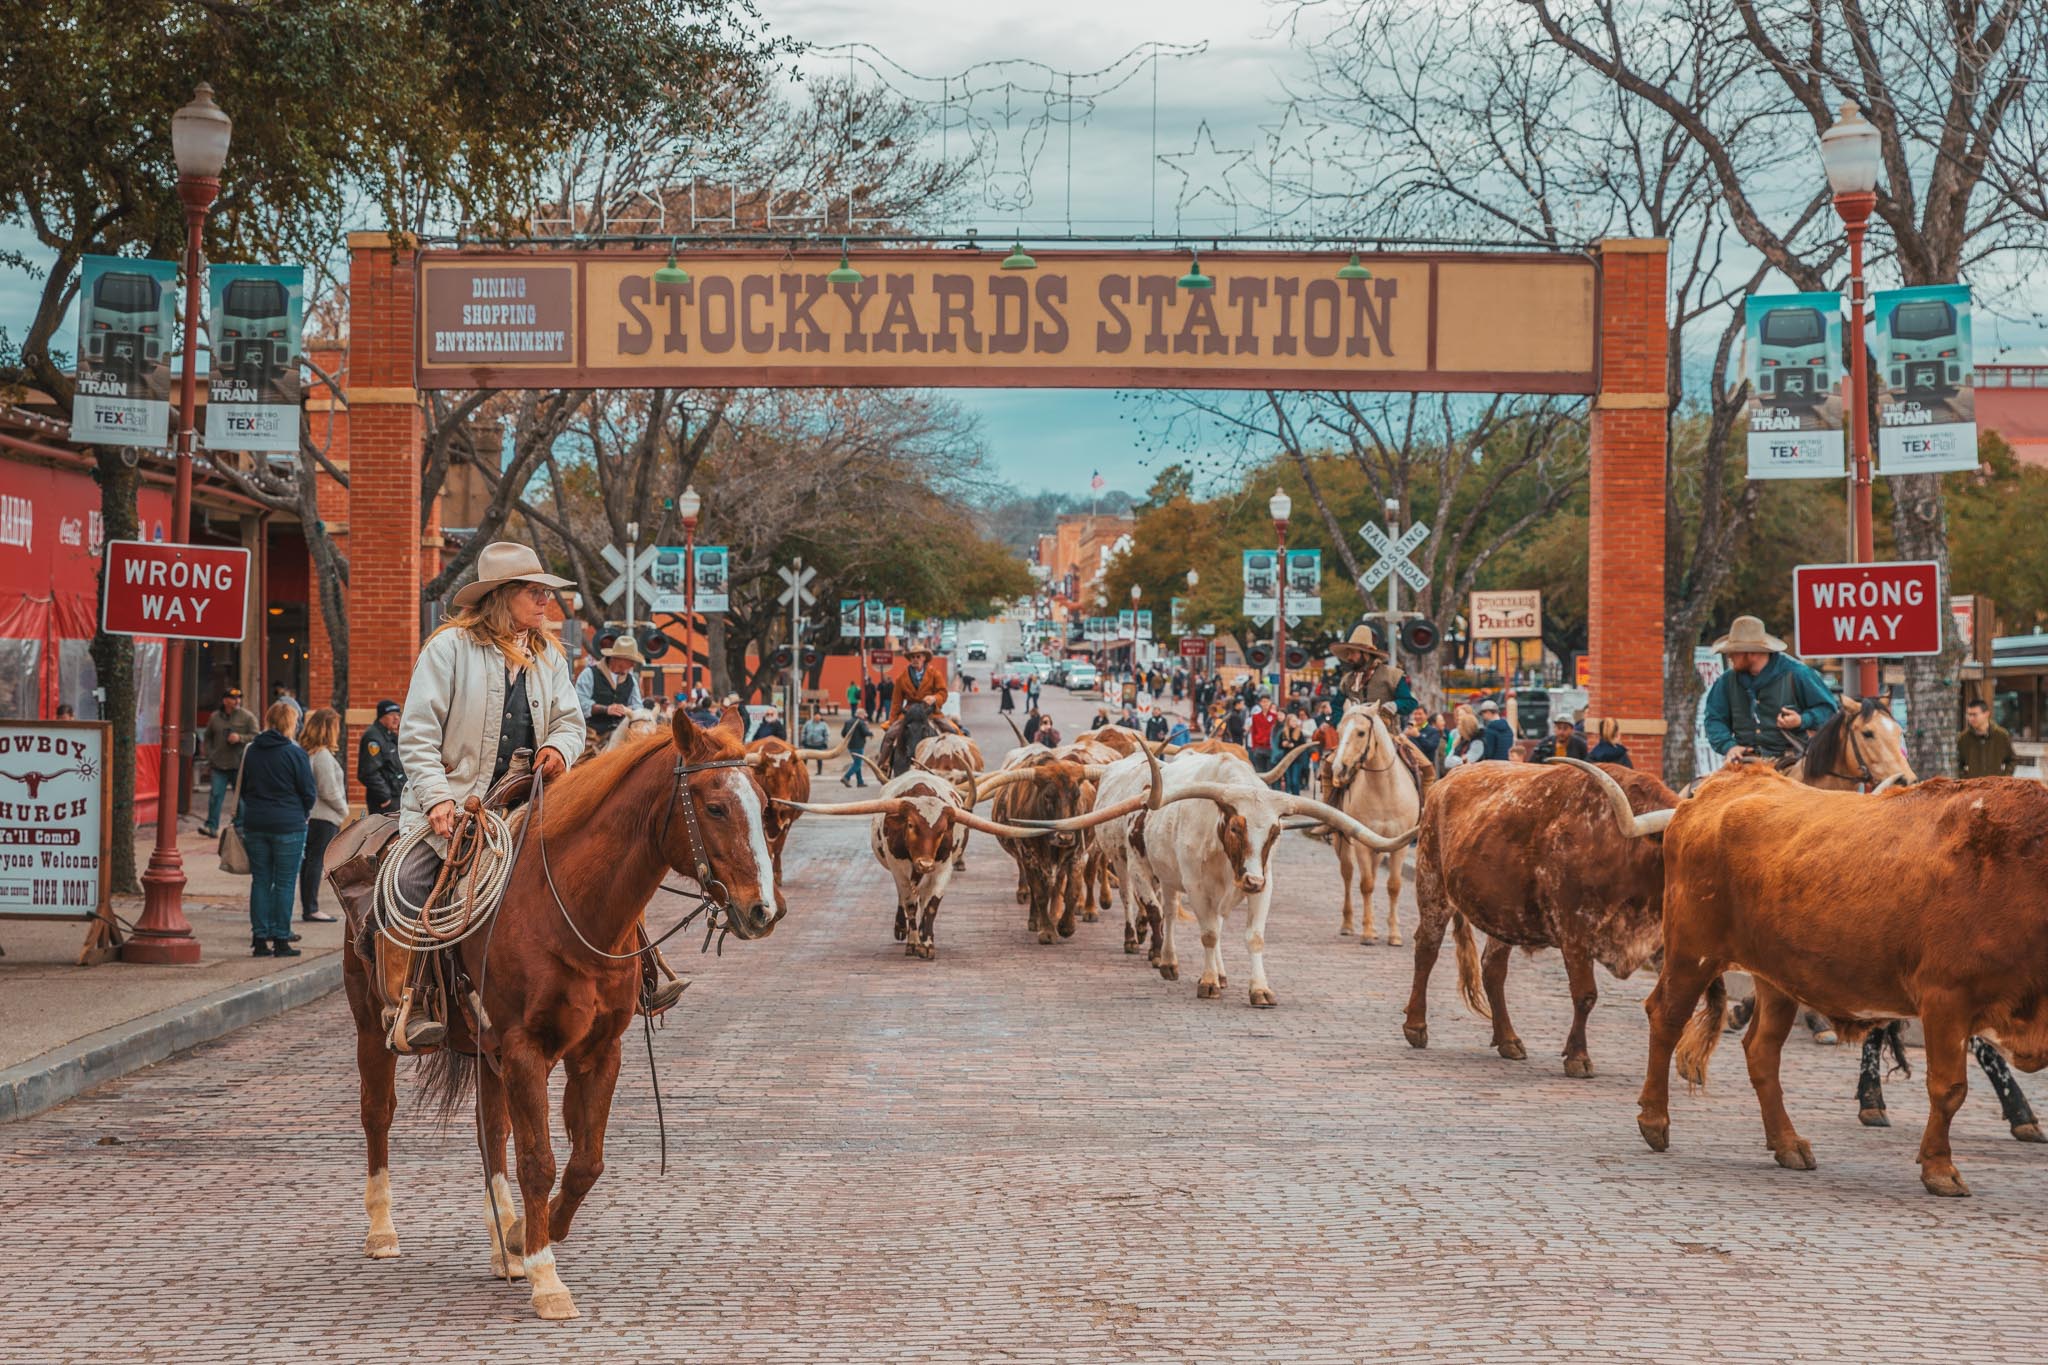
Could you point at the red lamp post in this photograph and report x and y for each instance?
(1280, 505)
(1850, 152)
(688, 506)
(199, 144)
(1194, 706)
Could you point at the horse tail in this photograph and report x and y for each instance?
(1468, 967)
(446, 1078)
(1702, 1033)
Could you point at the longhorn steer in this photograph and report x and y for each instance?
(1531, 857)
(1206, 831)
(1045, 787)
(1927, 901)
(951, 754)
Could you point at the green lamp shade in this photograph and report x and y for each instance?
(1353, 271)
(843, 273)
(671, 273)
(1017, 260)
(1195, 279)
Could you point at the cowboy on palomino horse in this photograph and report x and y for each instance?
(1367, 677)
(920, 693)
(543, 967)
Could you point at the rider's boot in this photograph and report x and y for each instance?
(405, 1031)
(656, 994)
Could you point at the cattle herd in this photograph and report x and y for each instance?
(1841, 887)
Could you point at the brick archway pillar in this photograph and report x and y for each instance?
(1626, 569)
(385, 434)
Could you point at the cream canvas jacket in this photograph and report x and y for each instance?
(448, 735)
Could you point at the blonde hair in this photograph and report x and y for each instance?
(489, 623)
(282, 717)
(323, 731)
(1467, 721)
(1609, 728)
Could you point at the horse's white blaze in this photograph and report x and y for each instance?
(743, 791)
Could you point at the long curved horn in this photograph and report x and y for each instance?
(966, 816)
(819, 755)
(1272, 775)
(879, 806)
(1013, 728)
(1895, 780)
(1633, 825)
(1155, 799)
(988, 784)
(1342, 823)
(973, 799)
(1168, 751)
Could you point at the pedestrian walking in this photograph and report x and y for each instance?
(377, 763)
(852, 697)
(1983, 749)
(856, 731)
(321, 739)
(272, 805)
(887, 693)
(1263, 730)
(814, 735)
(870, 697)
(1032, 722)
(1006, 702)
(231, 726)
(1610, 749)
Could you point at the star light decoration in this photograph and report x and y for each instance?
(1290, 157)
(1205, 171)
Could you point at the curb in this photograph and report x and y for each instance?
(63, 1073)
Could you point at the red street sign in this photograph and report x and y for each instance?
(1194, 647)
(1848, 611)
(191, 592)
(881, 658)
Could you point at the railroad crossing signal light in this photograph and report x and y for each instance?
(811, 659)
(1419, 636)
(782, 657)
(1297, 657)
(1259, 655)
(606, 639)
(653, 644)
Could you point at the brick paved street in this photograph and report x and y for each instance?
(1025, 1153)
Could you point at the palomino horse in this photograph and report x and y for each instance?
(559, 980)
(1863, 746)
(1370, 783)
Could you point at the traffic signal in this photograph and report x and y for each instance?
(781, 658)
(1259, 655)
(1418, 636)
(653, 644)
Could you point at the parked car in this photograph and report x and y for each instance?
(977, 651)
(1081, 677)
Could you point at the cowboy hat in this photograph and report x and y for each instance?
(502, 562)
(1746, 635)
(624, 648)
(1362, 644)
(915, 650)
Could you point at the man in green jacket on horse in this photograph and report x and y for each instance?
(1765, 698)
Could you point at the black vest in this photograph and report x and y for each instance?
(603, 692)
(515, 731)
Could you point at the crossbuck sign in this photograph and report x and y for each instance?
(643, 562)
(1394, 556)
(797, 586)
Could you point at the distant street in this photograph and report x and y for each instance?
(1028, 1153)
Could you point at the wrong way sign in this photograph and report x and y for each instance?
(193, 592)
(1849, 611)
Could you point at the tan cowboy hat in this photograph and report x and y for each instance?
(501, 562)
(915, 650)
(1361, 645)
(1748, 636)
(625, 648)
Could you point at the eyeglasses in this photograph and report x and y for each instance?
(539, 593)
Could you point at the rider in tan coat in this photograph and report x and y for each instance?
(920, 685)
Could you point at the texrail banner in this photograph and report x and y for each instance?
(1794, 348)
(1304, 582)
(1434, 321)
(1176, 608)
(878, 619)
(849, 618)
(1145, 624)
(252, 389)
(1261, 582)
(1126, 625)
(713, 572)
(1927, 387)
(127, 309)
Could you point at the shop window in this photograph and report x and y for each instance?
(78, 678)
(20, 692)
(149, 692)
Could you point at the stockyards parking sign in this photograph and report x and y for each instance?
(55, 805)
(1516, 322)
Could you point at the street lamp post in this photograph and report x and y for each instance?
(1194, 706)
(199, 144)
(1280, 505)
(1850, 152)
(689, 505)
(1136, 593)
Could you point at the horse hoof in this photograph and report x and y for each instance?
(1393, 940)
(1045, 935)
(2027, 1132)
(502, 1269)
(558, 1307)
(1023, 897)
(928, 951)
(1513, 1050)
(1131, 947)
(1207, 990)
(1579, 1068)
(1656, 1132)
(1799, 1157)
(1347, 931)
(1263, 999)
(1170, 973)
(1416, 1034)
(1825, 1038)
(1948, 1184)
(381, 1246)
(1369, 936)
(1089, 917)
(1873, 1118)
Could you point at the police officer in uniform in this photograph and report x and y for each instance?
(377, 764)
(609, 691)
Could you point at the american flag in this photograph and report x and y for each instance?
(1096, 482)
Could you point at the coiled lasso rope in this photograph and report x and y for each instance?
(465, 895)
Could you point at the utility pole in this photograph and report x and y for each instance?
(632, 572)
(1393, 508)
(796, 646)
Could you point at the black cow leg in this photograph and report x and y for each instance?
(1870, 1080)
(2018, 1113)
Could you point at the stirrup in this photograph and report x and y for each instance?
(406, 1034)
(662, 997)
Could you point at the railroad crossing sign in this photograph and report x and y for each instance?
(643, 563)
(797, 584)
(1394, 556)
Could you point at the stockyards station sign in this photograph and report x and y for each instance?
(1522, 322)
(55, 808)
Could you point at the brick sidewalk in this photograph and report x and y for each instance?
(1025, 1153)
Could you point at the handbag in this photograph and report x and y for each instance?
(234, 854)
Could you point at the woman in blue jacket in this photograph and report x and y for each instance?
(275, 798)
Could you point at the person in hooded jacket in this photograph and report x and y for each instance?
(275, 799)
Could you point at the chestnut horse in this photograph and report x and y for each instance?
(559, 979)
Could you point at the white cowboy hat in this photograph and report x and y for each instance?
(624, 648)
(1746, 635)
(504, 561)
(1361, 643)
